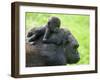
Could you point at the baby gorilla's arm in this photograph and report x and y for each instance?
(46, 34)
(53, 41)
(36, 34)
(33, 37)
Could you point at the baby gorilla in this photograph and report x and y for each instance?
(51, 27)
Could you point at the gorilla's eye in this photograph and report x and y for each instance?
(67, 42)
(76, 46)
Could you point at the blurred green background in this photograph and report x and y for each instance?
(77, 24)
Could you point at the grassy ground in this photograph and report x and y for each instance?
(77, 24)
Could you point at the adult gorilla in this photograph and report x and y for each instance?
(60, 48)
(48, 54)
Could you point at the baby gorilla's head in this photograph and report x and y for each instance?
(54, 24)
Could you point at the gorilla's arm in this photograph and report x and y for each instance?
(53, 41)
(35, 34)
(46, 34)
(55, 38)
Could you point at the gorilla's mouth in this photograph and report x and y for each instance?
(74, 58)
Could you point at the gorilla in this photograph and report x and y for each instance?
(51, 27)
(53, 46)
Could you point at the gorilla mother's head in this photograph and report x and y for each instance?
(71, 50)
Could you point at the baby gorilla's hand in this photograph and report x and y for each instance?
(44, 40)
(32, 43)
(29, 34)
(32, 38)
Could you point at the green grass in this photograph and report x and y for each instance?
(77, 24)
